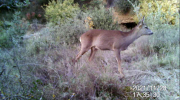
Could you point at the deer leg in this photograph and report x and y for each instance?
(93, 51)
(118, 58)
(82, 51)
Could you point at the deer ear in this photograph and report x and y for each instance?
(142, 21)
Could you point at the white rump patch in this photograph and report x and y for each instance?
(80, 39)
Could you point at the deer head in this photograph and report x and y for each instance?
(143, 29)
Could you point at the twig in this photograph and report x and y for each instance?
(17, 96)
(3, 70)
(2, 5)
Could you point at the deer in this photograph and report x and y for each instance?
(114, 40)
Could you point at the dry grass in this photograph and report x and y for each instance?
(50, 73)
(43, 68)
(99, 78)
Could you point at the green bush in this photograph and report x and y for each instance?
(86, 4)
(41, 2)
(12, 30)
(103, 19)
(123, 6)
(55, 36)
(60, 11)
(17, 83)
(163, 11)
(13, 3)
(70, 32)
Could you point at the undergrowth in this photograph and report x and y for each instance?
(43, 69)
(11, 31)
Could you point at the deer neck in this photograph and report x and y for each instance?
(132, 36)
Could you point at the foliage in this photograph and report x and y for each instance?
(90, 5)
(60, 11)
(70, 32)
(41, 2)
(123, 6)
(103, 19)
(162, 47)
(35, 11)
(66, 34)
(12, 30)
(89, 21)
(95, 3)
(13, 3)
(43, 69)
(16, 81)
(161, 57)
(167, 10)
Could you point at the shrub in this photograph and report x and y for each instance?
(70, 32)
(163, 45)
(53, 36)
(158, 23)
(103, 19)
(60, 11)
(13, 3)
(123, 6)
(95, 3)
(166, 10)
(89, 4)
(90, 23)
(17, 81)
(41, 2)
(10, 34)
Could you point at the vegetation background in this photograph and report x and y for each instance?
(39, 39)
